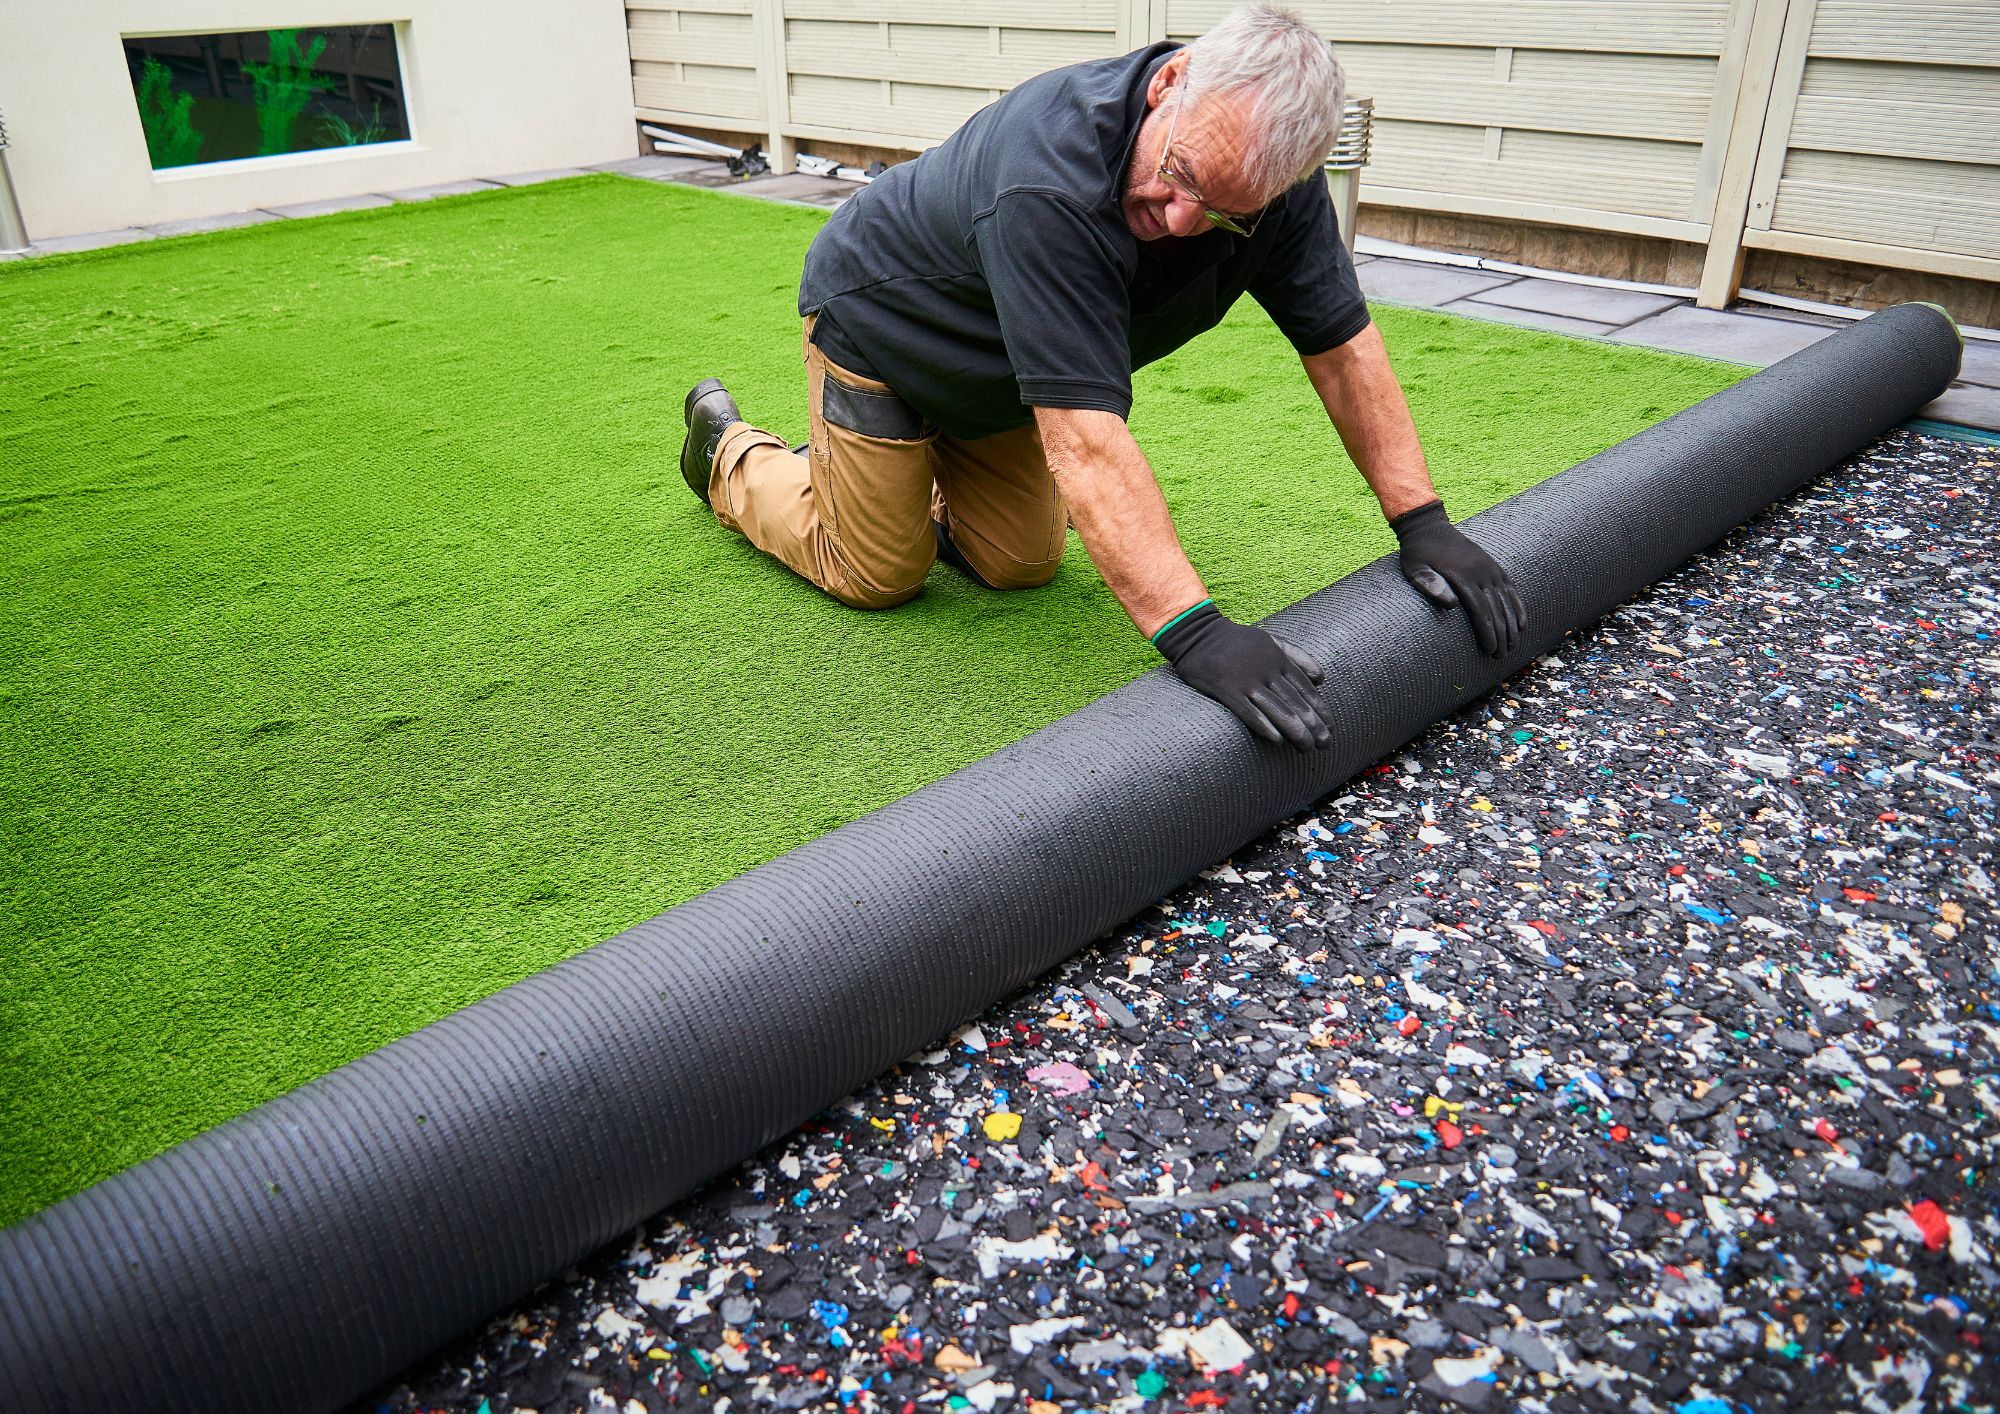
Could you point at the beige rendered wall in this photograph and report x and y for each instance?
(494, 87)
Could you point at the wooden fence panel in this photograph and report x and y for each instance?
(1602, 113)
(1884, 131)
(697, 58)
(1870, 127)
(860, 70)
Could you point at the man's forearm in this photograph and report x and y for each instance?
(1361, 395)
(1120, 515)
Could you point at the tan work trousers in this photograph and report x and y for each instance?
(854, 513)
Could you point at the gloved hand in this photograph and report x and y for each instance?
(1448, 569)
(1267, 683)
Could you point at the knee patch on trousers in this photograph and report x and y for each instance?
(870, 412)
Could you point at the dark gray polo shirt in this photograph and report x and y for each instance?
(995, 274)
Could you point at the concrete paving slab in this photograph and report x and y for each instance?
(1410, 282)
(551, 174)
(303, 209)
(437, 189)
(1982, 356)
(1735, 338)
(657, 168)
(1968, 405)
(198, 225)
(1982, 363)
(1794, 316)
(89, 240)
(1592, 302)
(1529, 318)
(712, 174)
(798, 186)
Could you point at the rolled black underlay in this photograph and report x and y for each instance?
(293, 1257)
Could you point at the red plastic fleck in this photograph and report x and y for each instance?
(1409, 1024)
(1825, 1130)
(1449, 1134)
(1930, 1219)
(1619, 1134)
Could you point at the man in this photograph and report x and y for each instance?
(973, 317)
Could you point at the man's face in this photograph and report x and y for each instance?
(1208, 145)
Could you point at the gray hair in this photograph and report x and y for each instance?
(1296, 85)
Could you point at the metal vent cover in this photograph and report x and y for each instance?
(1357, 127)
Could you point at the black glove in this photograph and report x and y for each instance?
(1267, 683)
(1449, 569)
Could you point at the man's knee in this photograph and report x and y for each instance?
(900, 587)
(1017, 574)
(996, 568)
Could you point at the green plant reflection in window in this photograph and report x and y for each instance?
(346, 134)
(284, 87)
(171, 139)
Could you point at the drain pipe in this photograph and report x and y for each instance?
(13, 230)
(1344, 163)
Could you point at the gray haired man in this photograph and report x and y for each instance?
(973, 317)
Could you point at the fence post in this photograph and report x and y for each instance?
(774, 76)
(1722, 269)
(1141, 22)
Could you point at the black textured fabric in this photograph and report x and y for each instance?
(291, 1258)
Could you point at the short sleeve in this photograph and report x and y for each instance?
(1307, 284)
(1060, 294)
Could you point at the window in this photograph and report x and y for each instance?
(263, 93)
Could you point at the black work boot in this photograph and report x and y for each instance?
(709, 411)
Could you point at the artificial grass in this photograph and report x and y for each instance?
(364, 653)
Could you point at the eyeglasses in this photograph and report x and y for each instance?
(1235, 225)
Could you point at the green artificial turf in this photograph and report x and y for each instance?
(364, 653)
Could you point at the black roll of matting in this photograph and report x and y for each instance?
(294, 1257)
